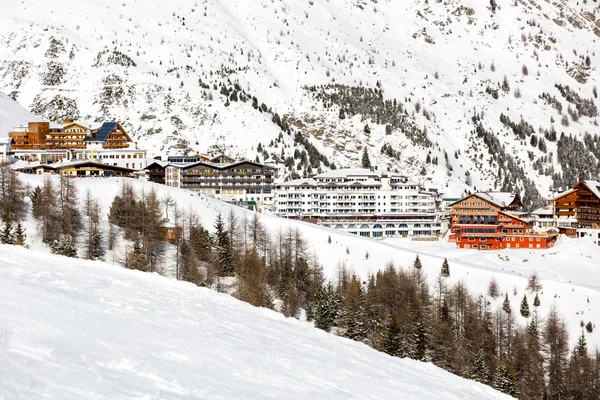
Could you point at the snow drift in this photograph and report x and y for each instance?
(73, 329)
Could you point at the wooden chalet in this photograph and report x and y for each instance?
(156, 171)
(491, 221)
(581, 203)
(71, 136)
(111, 135)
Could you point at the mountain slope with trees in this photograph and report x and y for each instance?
(434, 89)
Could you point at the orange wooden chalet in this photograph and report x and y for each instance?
(581, 204)
(492, 221)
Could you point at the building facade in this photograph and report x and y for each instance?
(109, 144)
(238, 181)
(492, 221)
(362, 202)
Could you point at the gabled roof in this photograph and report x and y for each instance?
(594, 186)
(75, 124)
(562, 194)
(500, 199)
(102, 133)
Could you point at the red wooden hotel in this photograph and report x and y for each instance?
(492, 221)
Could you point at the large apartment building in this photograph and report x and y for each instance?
(236, 181)
(493, 220)
(580, 205)
(363, 202)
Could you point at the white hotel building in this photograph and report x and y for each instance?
(362, 202)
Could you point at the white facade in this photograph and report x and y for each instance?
(363, 202)
(127, 158)
(131, 157)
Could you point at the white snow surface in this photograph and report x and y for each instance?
(12, 114)
(568, 271)
(73, 329)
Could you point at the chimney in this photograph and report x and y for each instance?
(67, 121)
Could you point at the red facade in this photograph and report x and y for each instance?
(478, 223)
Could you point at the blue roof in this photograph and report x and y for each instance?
(104, 131)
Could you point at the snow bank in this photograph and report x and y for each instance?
(73, 329)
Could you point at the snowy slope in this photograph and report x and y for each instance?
(72, 329)
(568, 271)
(12, 114)
(142, 64)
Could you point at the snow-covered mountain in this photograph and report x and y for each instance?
(73, 329)
(473, 94)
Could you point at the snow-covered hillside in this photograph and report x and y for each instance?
(423, 75)
(11, 115)
(73, 329)
(568, 271)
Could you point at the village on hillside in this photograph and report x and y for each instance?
(365, 202)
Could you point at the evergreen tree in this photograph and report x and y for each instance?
(6, 236)
(421, 341)
(445, 269)
(366, 161)
(137, 258)
(504, 377)
(325, 308)
(65, 246)
(525, 307)
(589, 327)
(392, 340)
(480, 371)
(536, 301)
(417, 264)
(225, 266)
(19, 235)
(506, 304)
(189, 264)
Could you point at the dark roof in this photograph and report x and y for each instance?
(224, 166)
(102, 133)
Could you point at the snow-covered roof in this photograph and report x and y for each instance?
(542, 211)
(345, 172)
(594, 186)
(499, 198)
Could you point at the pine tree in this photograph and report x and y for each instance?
(445, 269)
(392, 340)
(6, 236)
(506, 304)
(421, 341)
(225, 266)
(417, 264)
(64, 246)
(536, 301)
(504, 377)
(525, 307)
(137, 259)
(480, 371)
(325, 308)
(19, 235)
(366, 161)
(589, 327)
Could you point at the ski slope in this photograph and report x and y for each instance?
(73, 329)
(568, 271)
